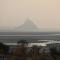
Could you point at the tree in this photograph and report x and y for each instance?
(20, 48)
(22, 42)
(4, 49)
(54, 52)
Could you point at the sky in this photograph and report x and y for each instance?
(44, 13)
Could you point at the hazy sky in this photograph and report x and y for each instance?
(44, 13)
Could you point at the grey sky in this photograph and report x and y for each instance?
(44, 13)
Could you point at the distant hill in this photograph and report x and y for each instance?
(28, 26)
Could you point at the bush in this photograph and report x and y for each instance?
(54, 51)
(4, 49)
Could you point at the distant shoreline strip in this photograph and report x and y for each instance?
(33, 35)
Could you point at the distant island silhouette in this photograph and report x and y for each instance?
(28, 26)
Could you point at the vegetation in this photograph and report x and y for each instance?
(4, 49)
(54, 51)
(21, 52)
